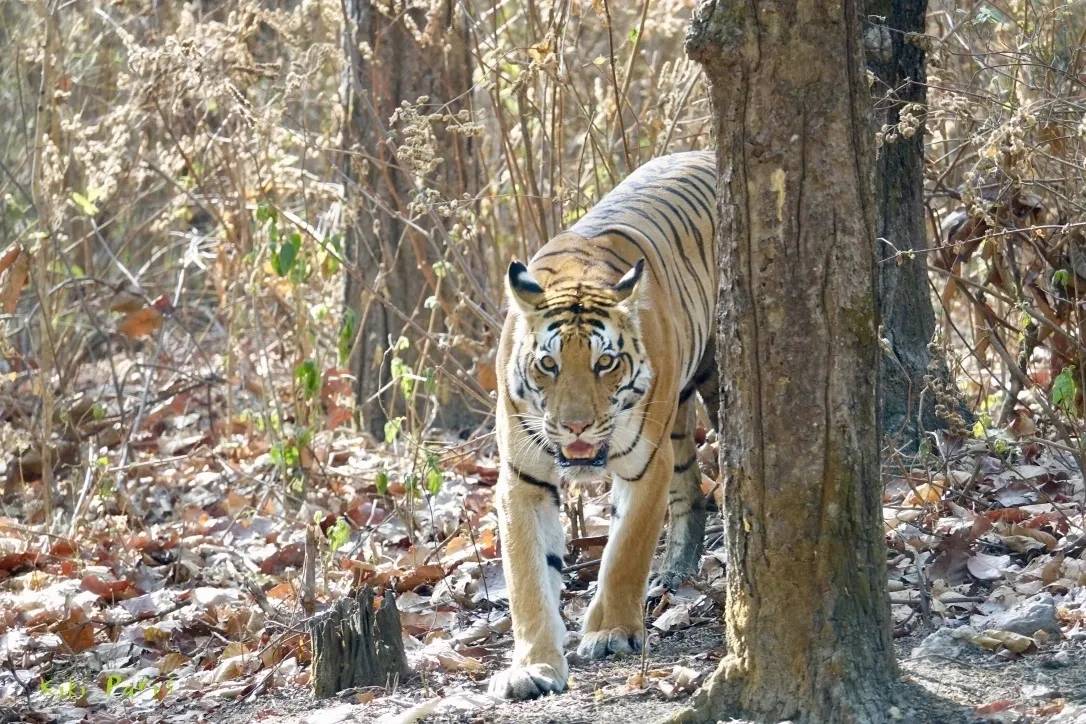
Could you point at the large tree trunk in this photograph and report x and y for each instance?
(399, 53)
(904, 295)
(807, 616)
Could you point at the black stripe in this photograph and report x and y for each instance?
(615, 254)
(554, 562)
(581, 255)
(686, 393)
(676, 237)
(668, 274)
(678, 435)
(708, 198)
(575, 308)
(696, 231)
(652, 454)
(637, 437)
(683, 467)
(551, 487)
(694, 384)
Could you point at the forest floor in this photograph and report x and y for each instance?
(190, 544)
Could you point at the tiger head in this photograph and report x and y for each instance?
(578, 367)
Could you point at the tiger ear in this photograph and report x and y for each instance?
(628, 284)
(524, 290)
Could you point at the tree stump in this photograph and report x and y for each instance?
(354, 645)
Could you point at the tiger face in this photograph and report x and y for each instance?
(578, 369)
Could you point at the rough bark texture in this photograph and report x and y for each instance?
(908, 319)
(393, 56)
(353, 645)
(807, 617)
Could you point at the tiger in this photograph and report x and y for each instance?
(607, 338)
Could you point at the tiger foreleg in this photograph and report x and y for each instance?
(614, 622)
(532, 545)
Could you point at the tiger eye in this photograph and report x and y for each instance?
(604, 362)
(547, 362)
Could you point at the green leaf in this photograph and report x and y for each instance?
(339, 534)
(285, 455)
(1065, 390)
(434, 479)
(392, 429)
(308, 378)
(381, 481)
(329, 266)
(111, 683)
(265, 212)
(1061, 278)
(346, 335)
(988, 15)
(441, 269)
(283, 261)
(336, 241)
(85, 204)
(402, 373)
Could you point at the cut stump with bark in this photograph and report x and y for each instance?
(355, 645)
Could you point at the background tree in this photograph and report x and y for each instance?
(407, 80)
(807, 614)
(895, 55)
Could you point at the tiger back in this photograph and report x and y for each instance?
(607, 338)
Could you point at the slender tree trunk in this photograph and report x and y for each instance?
(808, 616)
(400, 54)
(908, 320)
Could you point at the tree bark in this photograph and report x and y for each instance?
(400, 54)
(807, 617)
(908, 320)
(354, 645)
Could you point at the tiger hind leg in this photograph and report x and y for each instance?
(686, 505)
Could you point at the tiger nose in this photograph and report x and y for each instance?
(576, 426)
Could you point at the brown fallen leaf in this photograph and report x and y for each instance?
(76, 631)
(110, 590)
(9, 257)
(292, 554)
(994, 707)
(14, 272)
(1014, 642)
(926, 493)
(419, 575)
(171, 662)
(1047, 539)
(486, 375)
(140, 323)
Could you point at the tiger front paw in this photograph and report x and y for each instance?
(528, 681)
(618, 640)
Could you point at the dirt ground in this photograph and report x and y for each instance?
(975, 687)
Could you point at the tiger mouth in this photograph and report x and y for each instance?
(581, 454)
